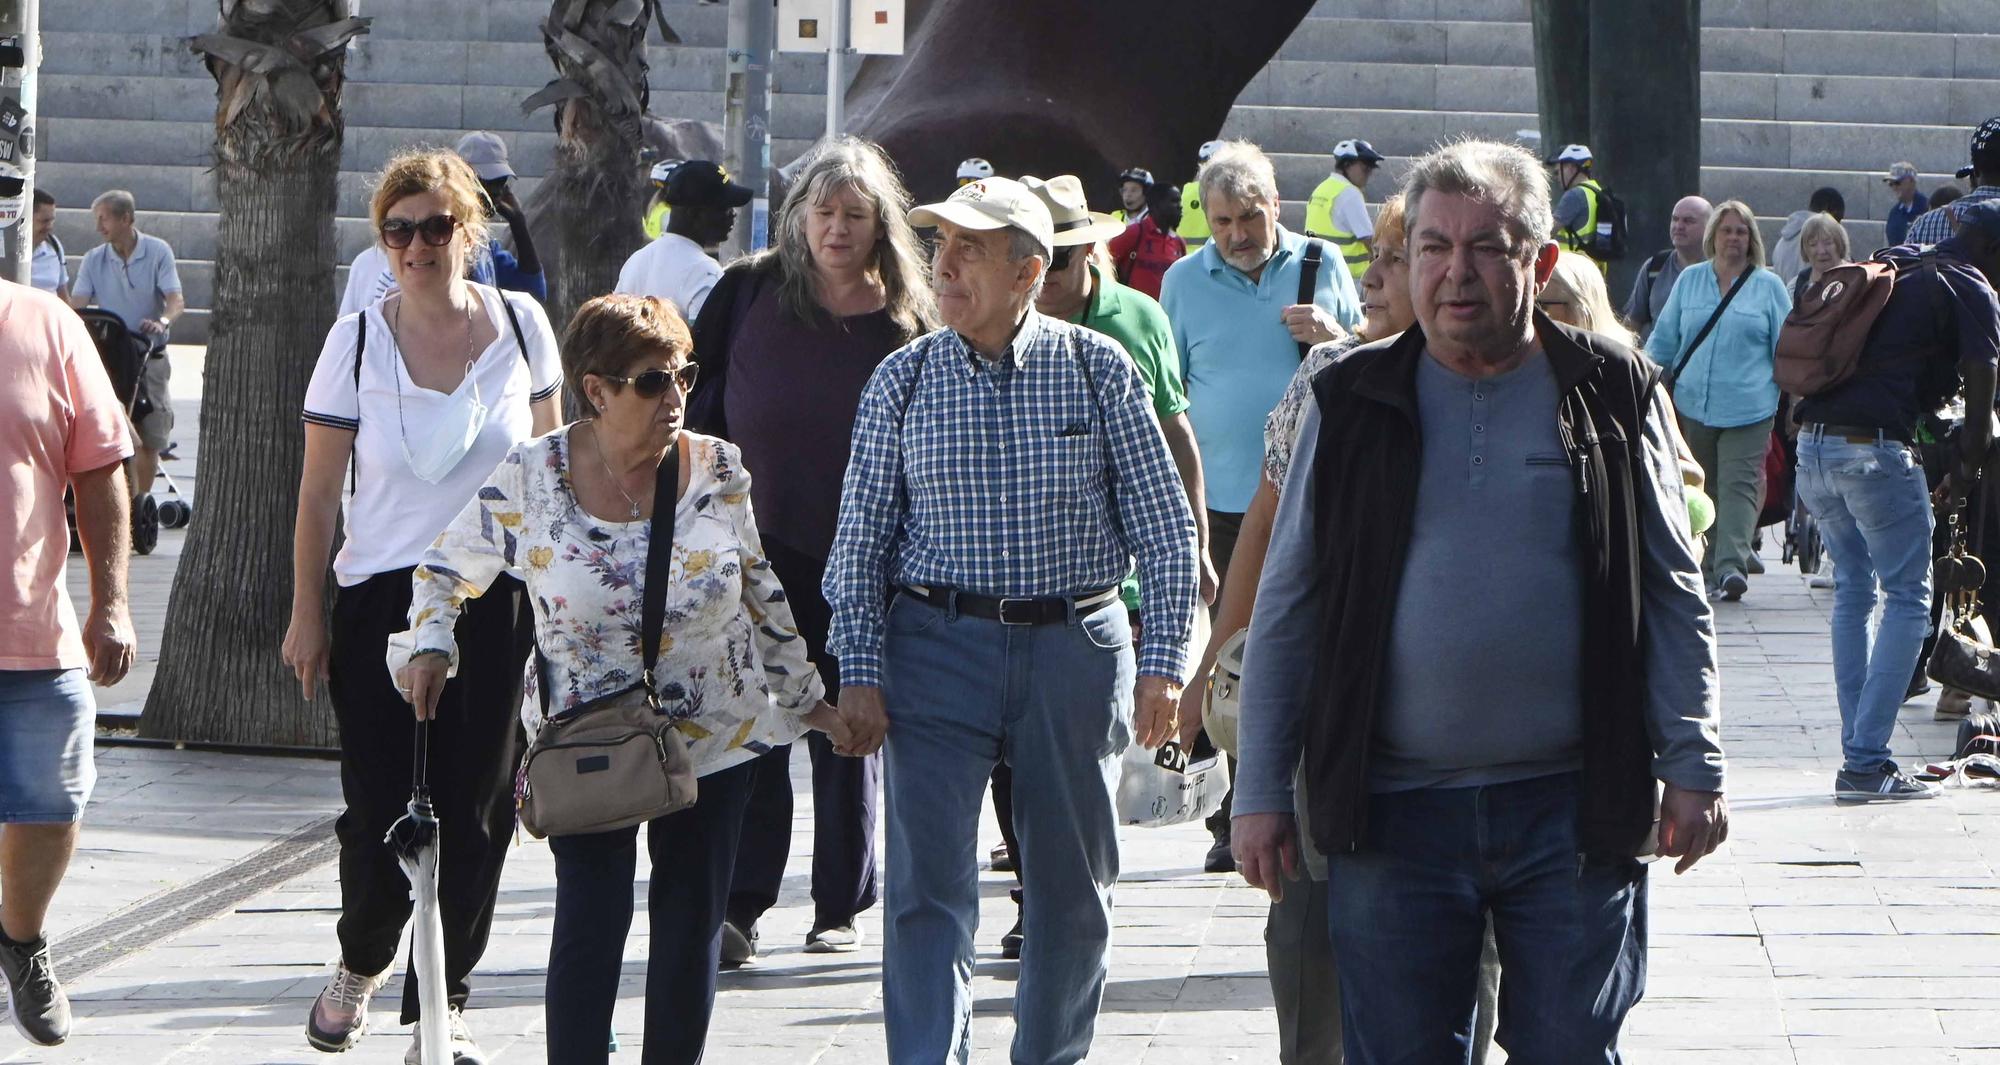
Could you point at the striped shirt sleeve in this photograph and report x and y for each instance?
(331, 399)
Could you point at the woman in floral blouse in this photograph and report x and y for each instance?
(568, 515)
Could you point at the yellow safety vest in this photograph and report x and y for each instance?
(1319, 223)
(656, 221)
(1584, 238)
(1194, 224)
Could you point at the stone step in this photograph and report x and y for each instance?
(523, 64)
(1723, 48)
(160, 100)
(1910, 16)
(450, 20)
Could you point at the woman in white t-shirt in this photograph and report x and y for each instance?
(425, 391)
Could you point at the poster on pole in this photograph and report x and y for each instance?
(875, 27)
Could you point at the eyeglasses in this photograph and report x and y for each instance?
(437, 231)
(653, 383)
(1547, 304)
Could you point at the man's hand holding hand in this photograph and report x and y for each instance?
(867, 722)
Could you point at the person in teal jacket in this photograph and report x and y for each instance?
(1722, 387)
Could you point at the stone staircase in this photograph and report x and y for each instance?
(1796, 94)
(125, 104)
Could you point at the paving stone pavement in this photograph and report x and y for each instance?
(1820, 935)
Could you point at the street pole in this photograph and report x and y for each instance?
(20, 20)
(747, 116)
(836, 56)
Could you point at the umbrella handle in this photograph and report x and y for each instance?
(421, 759)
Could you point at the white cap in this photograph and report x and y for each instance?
(992, 203)
(974, 169)
(1207, 149)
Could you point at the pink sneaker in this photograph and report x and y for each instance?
(340, 1014)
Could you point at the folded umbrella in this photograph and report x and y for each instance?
(414, 838)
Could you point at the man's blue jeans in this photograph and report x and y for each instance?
(1407, 910)
(1053, 701)
(1874, 514)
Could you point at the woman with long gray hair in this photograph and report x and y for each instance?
(786, 343)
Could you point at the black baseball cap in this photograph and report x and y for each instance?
(701, 183)
(1985, 149)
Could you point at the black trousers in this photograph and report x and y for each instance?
(846, 791)
(692, 852)
(473, 751)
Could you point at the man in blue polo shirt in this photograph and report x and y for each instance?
(1241, 329)
(133, 276)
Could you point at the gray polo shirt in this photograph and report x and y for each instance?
(1482, 672)
(134, 289)
(1649, 298)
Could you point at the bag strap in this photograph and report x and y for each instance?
(659, 561)
(1309, 265)
(360, 346)
(1709, 325)
(520, 341)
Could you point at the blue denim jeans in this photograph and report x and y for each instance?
(1053, 701)
(1407, 911)
(1874, 514)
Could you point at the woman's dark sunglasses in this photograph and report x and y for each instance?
(653, 383)
(437, 231)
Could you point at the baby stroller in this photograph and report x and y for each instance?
(125, 353)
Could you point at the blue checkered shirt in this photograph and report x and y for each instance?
(1936, 224)
(1003, 478)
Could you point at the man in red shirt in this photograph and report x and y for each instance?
(1147, 247)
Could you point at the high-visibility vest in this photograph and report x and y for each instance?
(1319, 223)
(1584, 237)
(656, 221)
(1194, 224)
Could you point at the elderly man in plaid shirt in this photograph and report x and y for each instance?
(1006, 472)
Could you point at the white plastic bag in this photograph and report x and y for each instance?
(1154, 797)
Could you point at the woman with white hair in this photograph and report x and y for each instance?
(1718, 338)
(786, 342)
(1824, 242)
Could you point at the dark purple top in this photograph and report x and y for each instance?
(790, 400)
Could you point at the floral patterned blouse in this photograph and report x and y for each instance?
(733, 670)
(1281, 429)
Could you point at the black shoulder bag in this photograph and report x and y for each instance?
(1707, 327)
(617, 760)
(1309, 264)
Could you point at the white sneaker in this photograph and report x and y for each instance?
(339, 1015)
(463, 1050)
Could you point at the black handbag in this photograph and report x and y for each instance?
(1964, 658)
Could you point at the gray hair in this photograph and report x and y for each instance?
(1820, 225)
(1020, 245)
(853, 163)
(1239, 170)
(1503, 175)
(121, 203)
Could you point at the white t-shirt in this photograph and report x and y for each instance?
(673, 268)
(394, 515)
(368, 280)
(1350, 213)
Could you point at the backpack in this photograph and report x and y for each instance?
(1820, 344)
(1608, 243)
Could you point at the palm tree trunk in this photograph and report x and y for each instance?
(278, 66)
(587, 209)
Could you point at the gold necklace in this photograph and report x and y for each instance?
(597, 439)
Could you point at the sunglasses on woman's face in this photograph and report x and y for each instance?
(436, 230)
(653, 383)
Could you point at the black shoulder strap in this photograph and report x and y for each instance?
(1309, 265)
(1709, 326)
(520, 340)
(360, 346)
(659, 561)
(1656, 264)
(56, 243)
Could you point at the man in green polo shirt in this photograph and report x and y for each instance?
(1081, 288)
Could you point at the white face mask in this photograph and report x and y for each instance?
(438, 448)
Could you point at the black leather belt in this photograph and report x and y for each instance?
(1027, 610)
(1856, 434)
